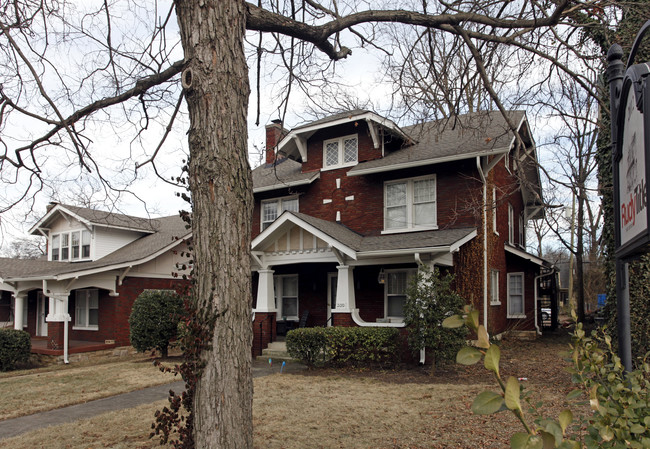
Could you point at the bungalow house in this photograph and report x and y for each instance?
(348, 207)
(97, 264)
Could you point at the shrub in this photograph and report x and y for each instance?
(154, 320)
(344, 345)
(307, 345)
(15, 347)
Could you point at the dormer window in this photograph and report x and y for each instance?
(72, 246)
(341, 152)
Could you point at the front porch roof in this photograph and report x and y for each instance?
(527, 256)
(338, 238)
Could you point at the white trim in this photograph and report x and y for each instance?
(340, 141)
(524, 255)
(523, 295)
(406, 230)
(420, 163)
(278, 211)
(360, 322)
(511, 224)
(410, 203)
(410, 272)
(494, 287)
(60, 208)
(278, 281)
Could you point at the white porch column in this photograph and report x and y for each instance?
(58, 307)
(265, 292)
(345, 301)
(19, 304)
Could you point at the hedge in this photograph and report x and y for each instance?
(15, 347)
(344, 346)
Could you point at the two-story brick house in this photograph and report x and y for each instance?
(347, 208)
(97, 264)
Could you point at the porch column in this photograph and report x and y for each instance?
(265, 292)
(345, 301)
(19, 304)
(58, 307)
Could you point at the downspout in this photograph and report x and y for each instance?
(65, 339)
(485, 246)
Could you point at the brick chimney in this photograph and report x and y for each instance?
(274, 133)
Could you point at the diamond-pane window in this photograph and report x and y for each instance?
(332, 154)
(350, 150)
(341, 152)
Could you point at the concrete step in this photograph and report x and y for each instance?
(277, 351)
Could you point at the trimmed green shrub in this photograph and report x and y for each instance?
(15, 347)
(307, 345)
(343, 346)
(154, 320)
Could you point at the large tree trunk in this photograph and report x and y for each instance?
(216, 89)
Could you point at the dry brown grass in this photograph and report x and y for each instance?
(333, 409)
(48, 389)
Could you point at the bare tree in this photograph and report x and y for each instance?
(129, 64)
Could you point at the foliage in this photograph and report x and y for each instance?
(640, 306)
(619, 400)
(15, 347)
(154, 320)
(429, 301)
(342, 346)
(194, 338)
(307, 345)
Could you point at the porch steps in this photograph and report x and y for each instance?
(276, 350)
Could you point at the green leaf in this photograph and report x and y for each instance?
(483, 338)
(565, 418)
(637, 428)
(492, 357)
(487, 402)
(512, 394)
(554, 429)
(468, 356)
(574, 394)
(548, 440)
(472, 319)
(519, 440)
(606, 433)
(453, 322)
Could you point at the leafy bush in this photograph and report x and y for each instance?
(307, 345)
(344, 345)
(15, 347)
(620, 400)
(429, 301)
(154, 320)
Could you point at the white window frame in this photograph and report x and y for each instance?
(279, 209)
(511, 298)
(494, 288)
(494, 210)
(85, 295)
(507, 162)
(410, 272)
(56, 251)
(340, 141)
(511, 225)
(410, 205)
(278, 284)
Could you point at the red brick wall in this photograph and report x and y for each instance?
(264, 332)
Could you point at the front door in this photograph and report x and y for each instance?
(42, 309)
(332, 279)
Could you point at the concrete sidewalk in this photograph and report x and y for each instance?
(17, 426)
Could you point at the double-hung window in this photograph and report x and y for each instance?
(410, 204)
(522, 231)
(494, 210)
(511, 224)
(87, 309)
(396, 286)
(341, 152)
(272, 209)
(286, 296)
(516, 295)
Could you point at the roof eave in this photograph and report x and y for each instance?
(282, 185)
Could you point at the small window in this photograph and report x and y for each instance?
(272, 209)
(76, 245)
(341, 152)
(87, 309)
(516, 295)
(522, 231)
(65, 246)
(511, 224)
(396, 286)
(494, 210)
(85, 244)
(494, 288)
(56, 242)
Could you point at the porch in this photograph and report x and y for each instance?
(39, 346)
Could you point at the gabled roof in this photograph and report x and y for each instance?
(294, 144)
(357, 246)
(171, 231)
(93, 217)
(461, 137)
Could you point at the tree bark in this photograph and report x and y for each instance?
(215, 83)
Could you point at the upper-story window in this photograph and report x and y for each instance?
(271, 209)
(341, 152)
(511, 224)
(74, 245)
(522, 231)
(410, 204)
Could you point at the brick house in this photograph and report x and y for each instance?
(97, 264)
(349, 206)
